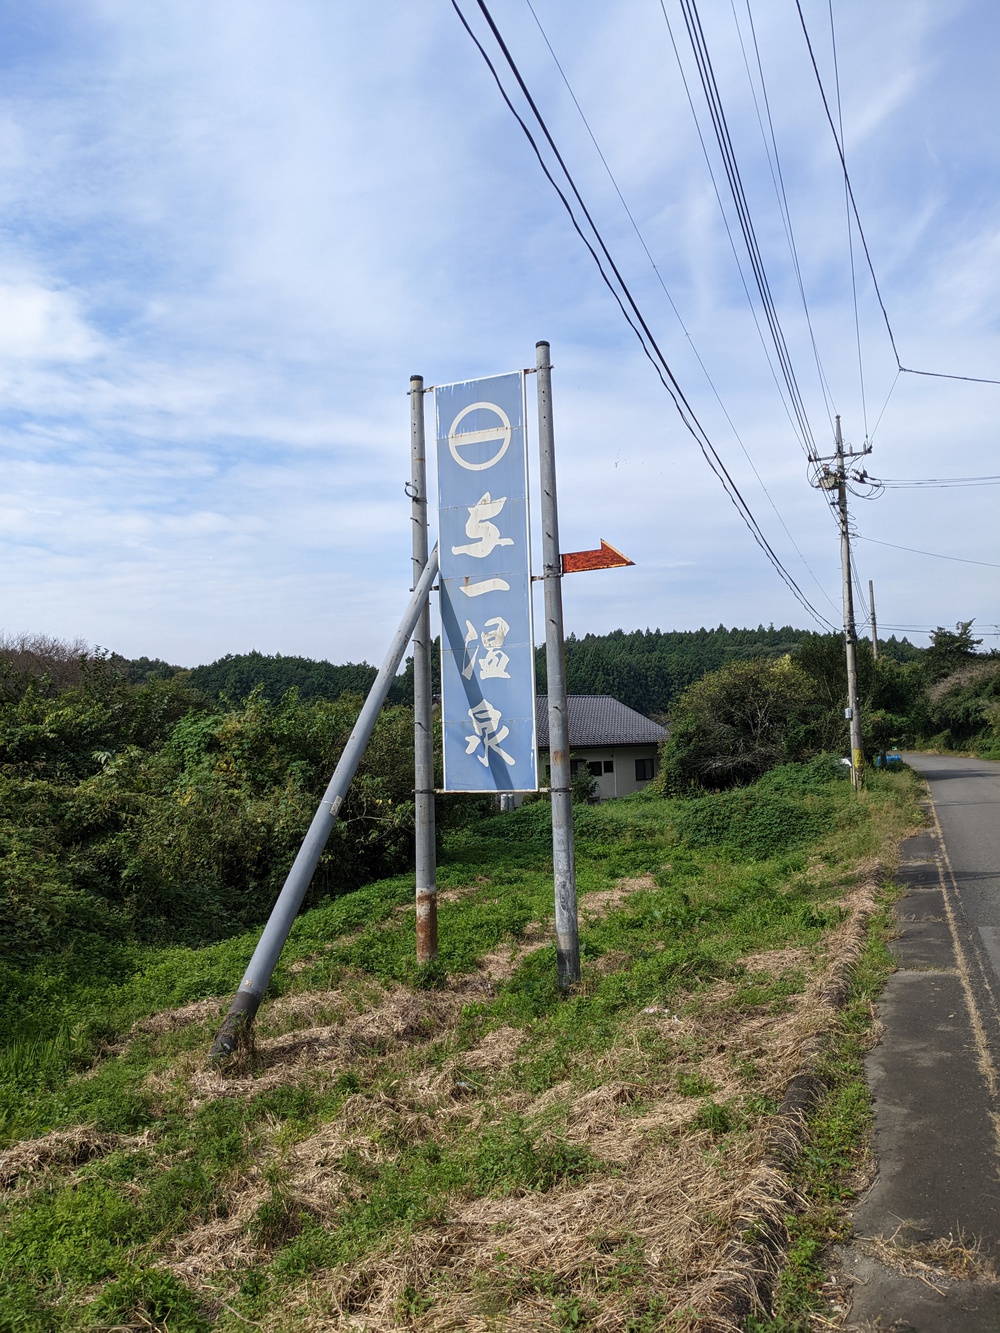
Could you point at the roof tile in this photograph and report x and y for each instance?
(599, 719)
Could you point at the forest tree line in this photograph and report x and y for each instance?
(646, 669)
(143, 801)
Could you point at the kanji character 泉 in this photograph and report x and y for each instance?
(488, 733)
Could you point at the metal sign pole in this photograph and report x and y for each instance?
(563, 861)
(423, 721)
(257, 977)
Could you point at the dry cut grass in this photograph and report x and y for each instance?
(955, 1258)
(654, 1225)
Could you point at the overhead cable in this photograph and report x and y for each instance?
(878, 420)
(778, 180)
(901, 483)
(673, 305)
(616, 284)
(859, 595)
(850, 230)
(732, 240)
(962, 560)
(730, 164)
(905, 370)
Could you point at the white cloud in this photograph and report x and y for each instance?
(42, 325)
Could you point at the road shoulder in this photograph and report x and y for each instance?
(927, 1232)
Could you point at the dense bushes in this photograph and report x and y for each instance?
(143, 812)
(891, 692)
(137, 807)
(963, 711)
(735, 724)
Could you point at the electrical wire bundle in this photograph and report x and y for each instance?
(556, 171)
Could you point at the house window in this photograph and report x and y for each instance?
(609, 765)
(644, 769)
(594, 767)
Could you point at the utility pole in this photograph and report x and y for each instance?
(850, 633)
(836, 480)
(871, 599)
(563, 857)
(423, 719)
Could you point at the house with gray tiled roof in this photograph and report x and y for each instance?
(617, 745)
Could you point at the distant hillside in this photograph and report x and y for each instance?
(647, 669)
(237, 675)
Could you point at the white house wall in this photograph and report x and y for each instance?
(622, 779)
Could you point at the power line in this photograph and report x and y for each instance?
(989, 564)
(778, 180)
(858, 593)
(932, 629)
(905, 370)
(899, 483)
(729, 233)
(673, 305)
(623, 295)
(723, 137)
(878, 422)
(850, 230)
(710, 88)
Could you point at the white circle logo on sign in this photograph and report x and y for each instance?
(499, 433)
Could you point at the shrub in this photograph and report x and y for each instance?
(148, 1298)
(133, 812)
(733, 725)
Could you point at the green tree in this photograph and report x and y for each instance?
(891, 693)
(734, 724)
(139, 812)
(950, 650)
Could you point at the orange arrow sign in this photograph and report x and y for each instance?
(605, 557)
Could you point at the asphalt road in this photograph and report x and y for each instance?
(966, 796)
(935, 1076)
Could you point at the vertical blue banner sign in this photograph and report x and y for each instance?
(487, 653)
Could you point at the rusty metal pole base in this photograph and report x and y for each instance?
(427, 925)
(235, 1025)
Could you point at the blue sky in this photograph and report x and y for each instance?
(232, 231)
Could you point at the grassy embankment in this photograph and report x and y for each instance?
(462, 1148)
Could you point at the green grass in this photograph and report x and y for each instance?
(82, 1247)
(837, 1145)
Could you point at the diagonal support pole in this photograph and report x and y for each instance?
(258, 975)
